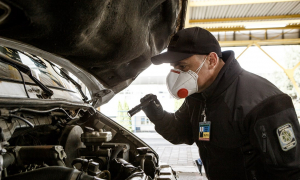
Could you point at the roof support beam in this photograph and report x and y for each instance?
(251, 29)
(288, 72)
(233, 2)
(262, 24)
(244, 18)
(260, 42)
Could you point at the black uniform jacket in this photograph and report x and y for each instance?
(251, 122)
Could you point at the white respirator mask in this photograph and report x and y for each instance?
(182, 84)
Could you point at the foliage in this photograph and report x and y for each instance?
(293, 58)
(127, 119)
(122, 118)
(280, 79)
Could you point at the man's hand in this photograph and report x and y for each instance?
(153, 110)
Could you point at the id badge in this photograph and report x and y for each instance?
(204, 131)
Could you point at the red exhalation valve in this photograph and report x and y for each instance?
(182, 93)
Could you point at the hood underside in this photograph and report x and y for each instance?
(112, 40)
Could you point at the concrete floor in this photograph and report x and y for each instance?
(189, 173)
(190, 176)
(179, 157)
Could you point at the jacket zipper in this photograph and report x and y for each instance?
(266, 146)
(204, 109)
(204, 120)
(204, 114)
(253, 175)
(264, 138)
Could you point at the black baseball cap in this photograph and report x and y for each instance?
(186, 43)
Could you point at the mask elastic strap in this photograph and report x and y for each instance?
(197, 71)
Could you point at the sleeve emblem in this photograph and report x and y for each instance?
(286, 137)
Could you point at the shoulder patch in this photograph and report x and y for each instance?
(286, 137)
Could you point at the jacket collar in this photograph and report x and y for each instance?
(226, 76)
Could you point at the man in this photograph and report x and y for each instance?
(249, 127)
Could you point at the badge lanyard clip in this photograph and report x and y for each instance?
(204, 115)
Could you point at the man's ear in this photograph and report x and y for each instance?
(212, 60)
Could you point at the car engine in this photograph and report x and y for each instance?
(72, 143)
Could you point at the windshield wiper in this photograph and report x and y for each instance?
(47, 93)
(67, 77)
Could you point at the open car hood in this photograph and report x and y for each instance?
(105, 43)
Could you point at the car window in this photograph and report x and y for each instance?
(40, 68)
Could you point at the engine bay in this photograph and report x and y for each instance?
(72, 143)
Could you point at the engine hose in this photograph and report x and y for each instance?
(121, 169)
(8, 159)
(108, 174)
(115, 153)
(46, 111)
(155, 156)
(23, 119)
(136, 174)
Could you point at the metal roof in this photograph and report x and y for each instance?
(272, 9)
(245, 10)
(267, 19)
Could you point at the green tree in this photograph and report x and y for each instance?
(280, 79)
(127, 119)
(292, 59)
(120, 117)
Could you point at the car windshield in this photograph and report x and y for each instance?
(46, 73)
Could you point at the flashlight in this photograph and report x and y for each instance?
(139, 107)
